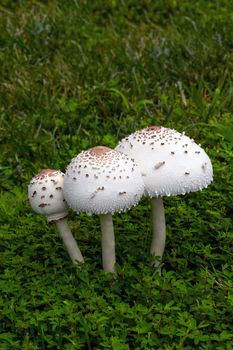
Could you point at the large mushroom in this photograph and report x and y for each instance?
(103, 181)
(45, 193)
(171, 163)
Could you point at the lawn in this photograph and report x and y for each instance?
(77, 74)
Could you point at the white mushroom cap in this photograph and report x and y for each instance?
(170, 162)
(101, 180)
(45, 193)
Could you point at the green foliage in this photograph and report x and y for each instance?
(76, 74)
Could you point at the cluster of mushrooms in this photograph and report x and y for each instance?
(154, 162)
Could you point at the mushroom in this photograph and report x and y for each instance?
(103, 181)
(45, 193)
(171, 163)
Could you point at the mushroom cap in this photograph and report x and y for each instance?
(170, 162)
(45, 193)
(101, 180)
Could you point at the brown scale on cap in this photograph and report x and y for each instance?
(153, 128)
(99, 150)
(122, 193)
(42, 205)
(44, 172)
(158, 165)
(204, 167)
(96, 191)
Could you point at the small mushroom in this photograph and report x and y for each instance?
(45, 194)
(169, 171)
(103, 195)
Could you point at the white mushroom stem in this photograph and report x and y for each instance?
(69, 241)
(159, 229)
(108, 243)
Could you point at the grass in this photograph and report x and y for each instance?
(77, 74)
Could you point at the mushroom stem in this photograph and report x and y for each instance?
(108, 243)
(69, 241)
(159, 229)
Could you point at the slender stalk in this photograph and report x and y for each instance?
(108, 243)
(69, 241)
(159, 229)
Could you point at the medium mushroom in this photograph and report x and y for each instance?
(45, 193)
(171, 163)
(103, 181)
